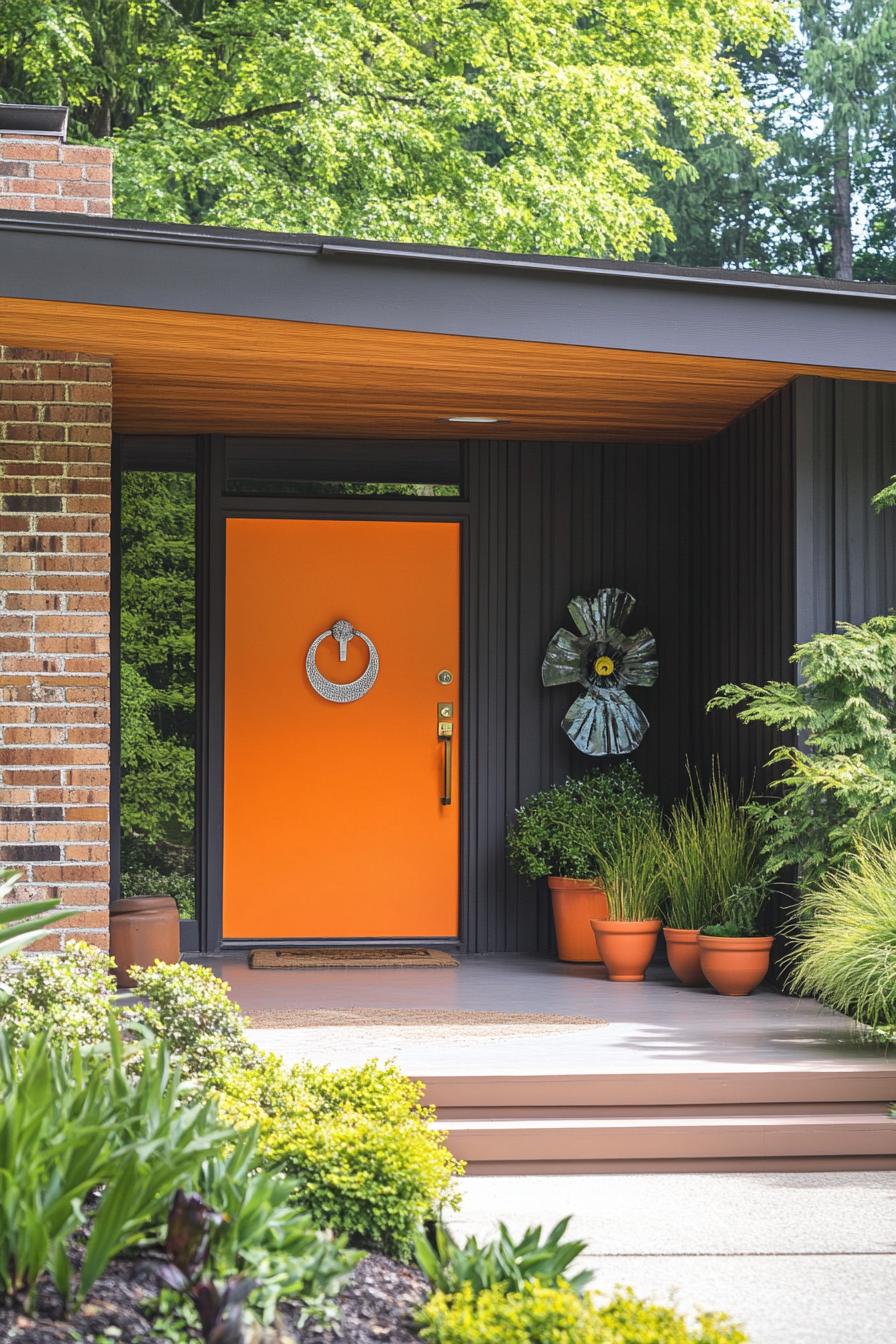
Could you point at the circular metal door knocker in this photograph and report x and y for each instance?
(342, 692)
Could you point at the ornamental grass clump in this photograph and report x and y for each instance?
(710, 848)
(633, 873)
(844, 939)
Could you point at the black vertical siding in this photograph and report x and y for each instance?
(550, 521)
(845, 452)
(702, 536)
(739, 597)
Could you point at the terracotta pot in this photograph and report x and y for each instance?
(626, 945)
(683, 952)
(735, 966)
(576, 902)
(142, 930)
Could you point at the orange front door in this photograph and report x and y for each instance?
(334, 824)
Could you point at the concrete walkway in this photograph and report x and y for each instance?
(806, 1258)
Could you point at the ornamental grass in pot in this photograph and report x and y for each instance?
(560, 833)
(633, 879)
(709, 848)
(734, 954)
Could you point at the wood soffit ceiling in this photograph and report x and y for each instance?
(177, 372)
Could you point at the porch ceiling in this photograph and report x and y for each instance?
(190, 372)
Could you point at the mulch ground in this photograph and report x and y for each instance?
(376, 1305)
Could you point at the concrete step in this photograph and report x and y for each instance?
(682, 1142)
(720, 1120)
(852, 1082)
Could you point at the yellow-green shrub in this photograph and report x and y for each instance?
(627, 1320)
(496, 1316)
(68, 996)
(359, 1149)
(557, 1315)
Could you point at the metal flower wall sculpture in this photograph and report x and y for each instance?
(604, 720)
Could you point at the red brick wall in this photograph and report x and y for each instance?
(44, 174)
(55, 483)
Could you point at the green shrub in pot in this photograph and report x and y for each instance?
(565, 830)
(740, 913)
(734, 954)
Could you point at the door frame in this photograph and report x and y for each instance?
(216, 509)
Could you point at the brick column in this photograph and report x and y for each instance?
(55, 484)
(47, 174)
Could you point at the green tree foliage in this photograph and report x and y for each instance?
(824, 203)
(158, 668)
(525, 126)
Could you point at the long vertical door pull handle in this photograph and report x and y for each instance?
(445, 733)
(446, 779)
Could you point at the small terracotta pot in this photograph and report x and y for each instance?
(626, 945)
(683, 952)
(576, 903)
(142, 930)
(735, 966)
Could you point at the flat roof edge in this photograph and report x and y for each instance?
(583, 268)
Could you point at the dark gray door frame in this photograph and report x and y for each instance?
(217, 510)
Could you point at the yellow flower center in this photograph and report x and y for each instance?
(604, 667)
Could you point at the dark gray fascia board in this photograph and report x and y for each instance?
(565, 301)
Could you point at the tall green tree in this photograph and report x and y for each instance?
(518, 124)
(158, 669)
(824, 203)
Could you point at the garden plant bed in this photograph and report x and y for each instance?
(376, 1306)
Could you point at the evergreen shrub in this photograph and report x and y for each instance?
(568, 829)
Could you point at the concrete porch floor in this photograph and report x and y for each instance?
(657, 1025)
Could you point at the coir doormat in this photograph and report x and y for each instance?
(313, 958)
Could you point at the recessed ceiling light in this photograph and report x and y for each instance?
(472, 419)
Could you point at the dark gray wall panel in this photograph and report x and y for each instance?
(702, 536)
(845, 452)
(552, 520)
(739, 607)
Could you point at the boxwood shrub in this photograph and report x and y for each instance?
(564, 831)
(358, 1148)
(67, 996)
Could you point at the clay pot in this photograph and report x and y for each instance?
(576, 902)
(735, 966)
(142, 930)
(626, 945)
(683, 952)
